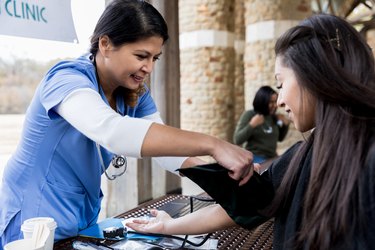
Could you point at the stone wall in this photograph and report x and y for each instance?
(206, 15)
(207, 64)
(207, 101)
(239, 72)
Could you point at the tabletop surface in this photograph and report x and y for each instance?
(178, 205)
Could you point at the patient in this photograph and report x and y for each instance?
(325, 73)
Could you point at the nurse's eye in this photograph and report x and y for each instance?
(141, 57)
(155, 58)
(279, 85)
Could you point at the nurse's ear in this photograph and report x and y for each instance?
(105, 45)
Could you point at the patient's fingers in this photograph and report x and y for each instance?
(137, 227)
(140, 221)
(257, 168)
(154, 212)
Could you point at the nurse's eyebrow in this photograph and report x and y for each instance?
(148, 53)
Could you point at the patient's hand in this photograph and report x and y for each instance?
(258, 168)
(192, 161)
(155, 224)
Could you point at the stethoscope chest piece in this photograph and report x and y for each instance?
(119, 161)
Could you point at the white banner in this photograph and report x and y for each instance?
(42, 19)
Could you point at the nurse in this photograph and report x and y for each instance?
(86, 112)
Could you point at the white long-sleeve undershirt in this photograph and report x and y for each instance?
(85, 110)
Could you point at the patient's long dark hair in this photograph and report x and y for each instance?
(333, 62)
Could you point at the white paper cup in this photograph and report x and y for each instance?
(22, 245)
(28, 228)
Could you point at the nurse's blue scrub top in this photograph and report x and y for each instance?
(55, 170)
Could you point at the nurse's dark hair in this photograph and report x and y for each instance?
(333, 63)
(128, 21)
(262, 99)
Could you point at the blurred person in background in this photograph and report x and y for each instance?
(260, 129)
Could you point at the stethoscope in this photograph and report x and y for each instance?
(118, 161)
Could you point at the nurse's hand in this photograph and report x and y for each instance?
(237, 160)
(154, 225)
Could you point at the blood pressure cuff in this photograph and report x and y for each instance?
(240, 202)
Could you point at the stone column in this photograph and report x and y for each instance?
(165, 89)
(265, 21)
(207, 59)
(207, 66)
(239, 46)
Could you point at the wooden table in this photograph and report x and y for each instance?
(178, 205)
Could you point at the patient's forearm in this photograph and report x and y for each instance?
(205, 220)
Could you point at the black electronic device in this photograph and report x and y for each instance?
(114, 232)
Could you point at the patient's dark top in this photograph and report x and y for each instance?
(243, 203)
(288, 221)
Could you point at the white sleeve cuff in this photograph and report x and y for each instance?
(170, 163)
(87, 112)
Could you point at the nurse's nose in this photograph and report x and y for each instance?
(148, 66)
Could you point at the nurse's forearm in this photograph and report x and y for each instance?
(205, 220)
(161, 140)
